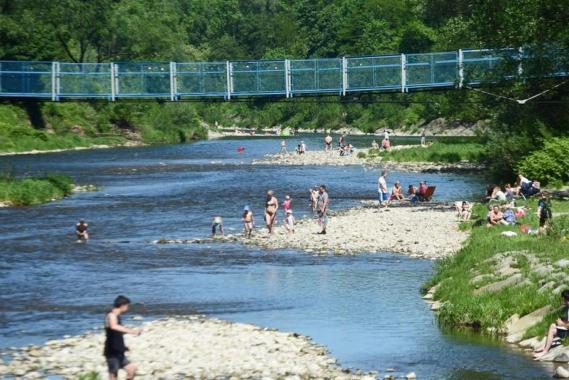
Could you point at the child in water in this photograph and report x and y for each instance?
(248, 221)
(289, 222)
(217, 224)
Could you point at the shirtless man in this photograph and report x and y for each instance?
(328, 143)
(271, 208)
(81, 231)
(495, 216)
(114, 344)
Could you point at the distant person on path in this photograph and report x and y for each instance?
(328, 143)
(114, 344)
(81, 231)
(559, 329)
(423, 137)
(544, 211)
(382, 190)
(342, 141)
(289, 222)
(248, 221)
(217, 224)
(271, 208)
(322, 208)
(283, 147)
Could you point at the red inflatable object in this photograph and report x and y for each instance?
(240, 149)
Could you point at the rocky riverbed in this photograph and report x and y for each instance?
(333, 158)
(423, 231)
(194, 347)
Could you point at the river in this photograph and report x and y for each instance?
(367, 309)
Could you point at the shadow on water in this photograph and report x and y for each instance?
(366, 309)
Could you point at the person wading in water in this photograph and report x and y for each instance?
(81, 231)
(114, 344)
(271, 210)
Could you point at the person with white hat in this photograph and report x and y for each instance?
(289, 222)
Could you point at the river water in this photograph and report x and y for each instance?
(367, 309)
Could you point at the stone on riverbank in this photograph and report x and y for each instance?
(192, 347)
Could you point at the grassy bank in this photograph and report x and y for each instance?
(31, 191)
(47, 126)
(439, 152)
(488, 258)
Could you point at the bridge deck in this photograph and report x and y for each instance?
(178, 81)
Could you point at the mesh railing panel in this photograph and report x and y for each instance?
(316, 75)
(85, 79)
(431, 70)
(142, 79)
(201, 79)
(258, 77)
(373, 73)
(31, 79)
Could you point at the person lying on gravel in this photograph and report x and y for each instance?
(559, 329)
(114, 344)
(495, 216)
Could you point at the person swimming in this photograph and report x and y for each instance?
(81, 231)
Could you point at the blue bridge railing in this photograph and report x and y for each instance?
(178, 81)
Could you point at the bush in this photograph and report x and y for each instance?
(361, 155)
(549, 164)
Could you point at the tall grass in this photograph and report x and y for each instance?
(31, 191)
(438, 152)
(492, 309)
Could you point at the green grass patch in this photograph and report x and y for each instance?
(31, 191)
(438, 152)
(489, 310)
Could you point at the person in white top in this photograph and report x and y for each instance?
(382, 189)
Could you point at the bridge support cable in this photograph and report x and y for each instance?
(173, 82)
(55, 81)
(229, 79)
(344, 75)
(460, 64)
(403, 73)
(287, 78)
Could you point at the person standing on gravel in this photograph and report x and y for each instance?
(271, 210)
(322, 208)
(328, 143)
(114, 344)
(382, 190)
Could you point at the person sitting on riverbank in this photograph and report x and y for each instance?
(412, 194)
(422, 191)
(386, 144)
(544, 212)
(509, 215)
(465, 211)
(495, 216)
(526, 187)
(248, 221)
(289, 222)
(271, 208)
(115, 347)
(216, 225)
(374, 144)
(497, 195)
(328, 143)
(81, 231)
(397, 192)
(559, 329)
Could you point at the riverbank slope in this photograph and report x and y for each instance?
(504, 284)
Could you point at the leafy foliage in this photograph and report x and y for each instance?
(550, 164)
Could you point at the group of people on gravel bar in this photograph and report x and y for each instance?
(413, 194)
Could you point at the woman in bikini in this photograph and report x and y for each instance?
(271, 210)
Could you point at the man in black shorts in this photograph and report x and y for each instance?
(559, 329)
(114, 344)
